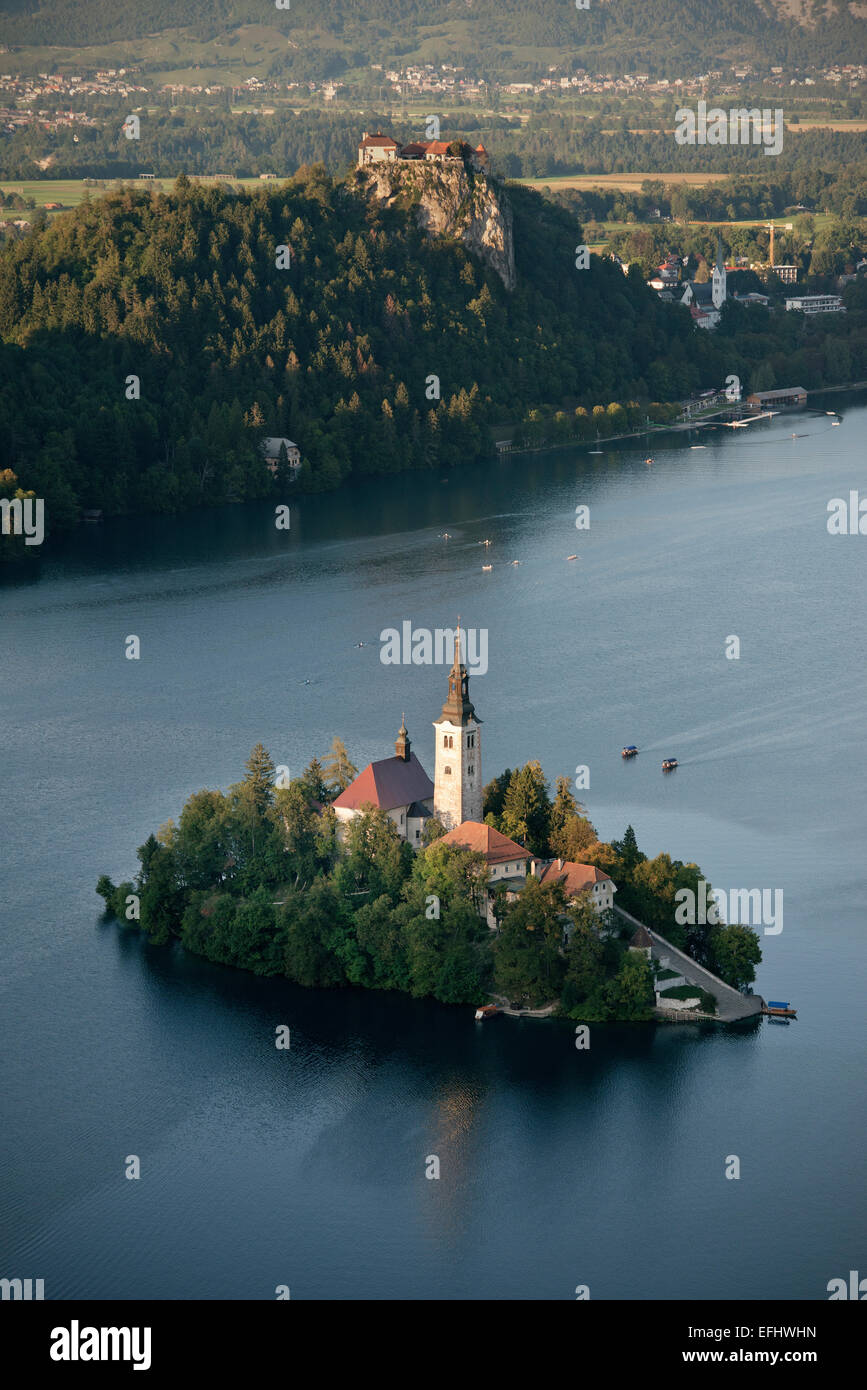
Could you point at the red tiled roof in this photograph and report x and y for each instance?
(388, 783)
(380, 141)
(496, 848)
(575, 878)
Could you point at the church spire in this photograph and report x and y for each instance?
(402, 744)
(458, 708)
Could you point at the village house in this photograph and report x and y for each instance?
(577, 879)
(507, 861)
(271, 451)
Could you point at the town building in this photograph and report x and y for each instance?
(705, 300)
(576, 880)
(785, 396)
(377, 149)
(816, 304)
(271, 451)
(506, 861)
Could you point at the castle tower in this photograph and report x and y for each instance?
(718, 280)
(458, 771)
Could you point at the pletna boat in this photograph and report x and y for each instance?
(629, 751)
(669, 764)
(779, 1008)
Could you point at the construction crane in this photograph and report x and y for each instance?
(769, 226)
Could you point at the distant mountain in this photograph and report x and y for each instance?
(501, 36)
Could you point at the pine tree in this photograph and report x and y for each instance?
(260, 777)
(337, 768)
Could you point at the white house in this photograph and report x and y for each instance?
(577, 879)
(271, 450)
(506, 860)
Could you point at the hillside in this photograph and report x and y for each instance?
(338, 351)
(507, 37)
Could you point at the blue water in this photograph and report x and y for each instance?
(558, 1167)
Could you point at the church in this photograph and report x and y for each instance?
(401, 787)
(705, 300)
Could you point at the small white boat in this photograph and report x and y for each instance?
(698, 446)
(834, 422)
(596, 451)
(648, 462)
(830, 412)
(571, 557)
(485, 568)
(514, 562)
(486, 542)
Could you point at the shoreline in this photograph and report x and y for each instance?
(676, 428)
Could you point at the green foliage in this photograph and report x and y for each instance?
(180, 290)
(734, 953)
(526, 814)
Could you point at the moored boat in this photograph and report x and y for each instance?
(486, 1011)
(779, 1008)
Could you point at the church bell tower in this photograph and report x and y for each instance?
(458, 772)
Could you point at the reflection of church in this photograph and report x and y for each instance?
(401, 787)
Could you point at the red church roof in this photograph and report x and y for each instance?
(388, 783)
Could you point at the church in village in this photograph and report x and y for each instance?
(401, 788)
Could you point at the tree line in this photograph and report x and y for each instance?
(259, 879)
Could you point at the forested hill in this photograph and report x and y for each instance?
(336, 352)
(501, 35)
(182, 291)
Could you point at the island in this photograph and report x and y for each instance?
(449, 888)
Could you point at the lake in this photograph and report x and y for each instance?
(559, 1167)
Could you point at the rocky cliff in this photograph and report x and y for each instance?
(451, 201)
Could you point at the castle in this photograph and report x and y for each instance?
(401, 787)
(381, 149)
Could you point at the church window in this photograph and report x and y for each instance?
(471, 770)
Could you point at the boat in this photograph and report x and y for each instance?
(669, 764)
(514, 562)
(779, 1008)
(571, 557)
(834, 422)
(596, 451)
(629, 751)
(648, 461)
(830, 412)
(485, 568)
(486, 1011)
(486, 542)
